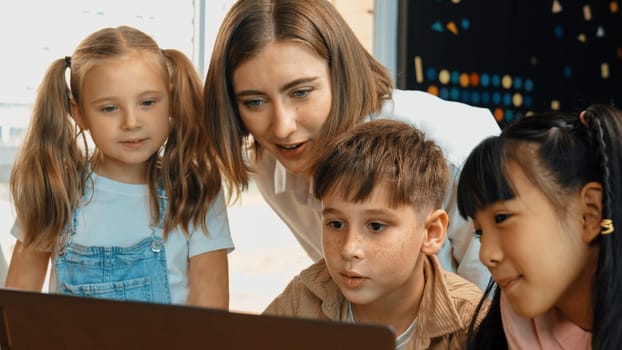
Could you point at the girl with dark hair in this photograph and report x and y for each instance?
(545, 200)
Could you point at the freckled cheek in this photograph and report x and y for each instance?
(399, 257)
(389, 258)
(330, 244)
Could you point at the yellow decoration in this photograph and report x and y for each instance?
(555, 105)
(506, 82)
(582, 38)
(418, 69)
(444, 76)
(604, 70)
(606, 226)
(587, 13)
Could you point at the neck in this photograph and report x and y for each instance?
(576, 304)
(129, 175)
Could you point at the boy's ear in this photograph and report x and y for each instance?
(77, 116)
(436, 229)
(591, 206)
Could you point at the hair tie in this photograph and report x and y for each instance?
(67, 61)
(606, 226)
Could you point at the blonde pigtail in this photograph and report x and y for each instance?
(187, 154)
(45, 178)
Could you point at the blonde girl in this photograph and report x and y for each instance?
(139, 213)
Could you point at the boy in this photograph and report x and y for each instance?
(381, 187)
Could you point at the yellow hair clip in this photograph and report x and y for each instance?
(606, 226)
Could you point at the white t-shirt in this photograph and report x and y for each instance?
(118, 214)
(456, 127)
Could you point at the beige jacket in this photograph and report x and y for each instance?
(447, 305)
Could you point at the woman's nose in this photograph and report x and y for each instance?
(284, 123)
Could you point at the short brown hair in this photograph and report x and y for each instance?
(383, 151)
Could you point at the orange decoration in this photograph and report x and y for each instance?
(498, 113)
(613, 6)
(474, 77)
(432, 89)
(451, 26)
(464, 80)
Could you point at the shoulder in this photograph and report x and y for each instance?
(452, 291)
(460, 288)
(456, 127)
(300, 298)
(421, 104)
(318, 281)
(464, 295)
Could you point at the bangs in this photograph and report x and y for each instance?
(481, 183)
(353, 184)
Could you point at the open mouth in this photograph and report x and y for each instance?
(291, 147)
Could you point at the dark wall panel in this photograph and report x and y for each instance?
(513, 56)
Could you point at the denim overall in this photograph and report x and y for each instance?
(136, 273)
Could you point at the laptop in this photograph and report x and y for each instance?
(30, 320)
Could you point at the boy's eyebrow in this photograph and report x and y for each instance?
(329, 211)
(371, 211)
(281, 89)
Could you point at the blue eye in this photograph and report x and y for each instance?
(148, 103)
(109, 109)
(302, 93)
(254, 103)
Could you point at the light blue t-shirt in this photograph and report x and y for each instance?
(118, 214)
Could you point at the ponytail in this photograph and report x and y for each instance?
(48, 175)
(605, 129)
(187, 152)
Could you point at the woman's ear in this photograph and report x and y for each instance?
(436, 229)
(591, 202)
(77, 116)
